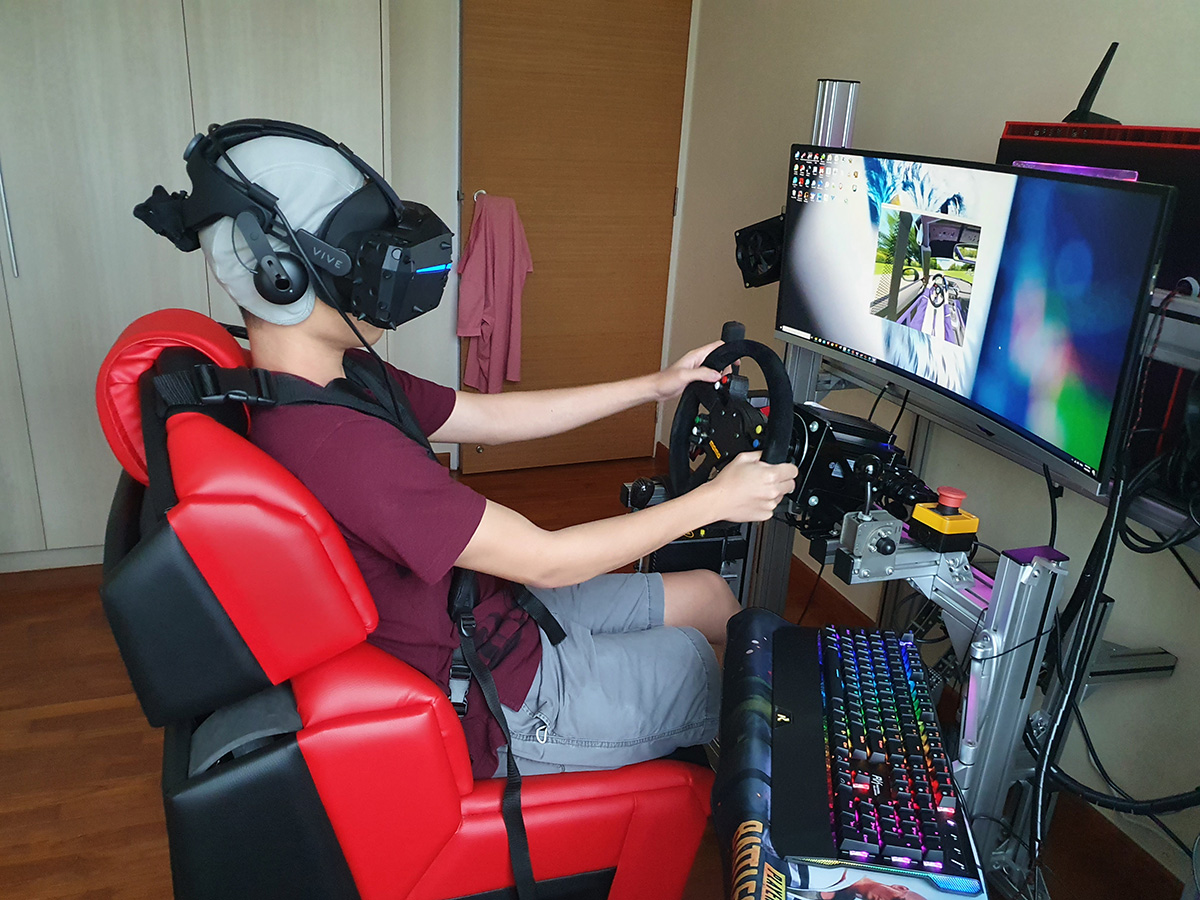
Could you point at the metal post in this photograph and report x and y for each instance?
(771, 559)
(1006, 655)
(771, 553)
(833, 122)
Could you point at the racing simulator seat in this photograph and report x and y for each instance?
(299, 760)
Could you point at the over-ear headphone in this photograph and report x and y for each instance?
(280, 277)
(376, 257)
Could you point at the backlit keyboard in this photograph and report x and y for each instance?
(858, 755)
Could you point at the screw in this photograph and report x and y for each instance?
(813, 500)
(813, 426)
(888, 571)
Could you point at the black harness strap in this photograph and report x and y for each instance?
(464, 594)
(369, 378)
(538, 612)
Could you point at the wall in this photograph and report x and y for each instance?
(422, 94)
(941, 78)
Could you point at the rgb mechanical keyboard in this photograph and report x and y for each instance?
(857, 752)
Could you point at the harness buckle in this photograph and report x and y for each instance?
(252, 386)
(466, 624)
(460, 682)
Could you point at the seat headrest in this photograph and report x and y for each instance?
(117, 399)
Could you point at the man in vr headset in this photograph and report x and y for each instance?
(321, 257)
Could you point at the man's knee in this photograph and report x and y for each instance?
(700, 598)
(712, 588)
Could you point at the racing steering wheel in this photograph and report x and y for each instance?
(728, 427)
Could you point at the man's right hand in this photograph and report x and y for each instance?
(748, 489)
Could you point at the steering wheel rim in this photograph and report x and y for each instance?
(778, 431)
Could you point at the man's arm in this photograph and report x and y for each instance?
(525, 415)
(508, 545)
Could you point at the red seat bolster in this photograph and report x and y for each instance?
(366, 679)
(272, 556)
(389, 790)
(117, 401)
(582, 822)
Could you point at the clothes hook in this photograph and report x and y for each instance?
(477, 193)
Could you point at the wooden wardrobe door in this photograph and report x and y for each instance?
(94, 111)
(575, 110)
(315, 64)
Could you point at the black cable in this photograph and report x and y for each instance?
(899, 415)
(811, 594)
(979, 543)
(1055, 492)
(1112, 785)
(1009, 832)
(1144, 374)
(1066, 782)
(1095, 756)
(905, 612)
(871, 414)
(965, 662)
(317, 279)
(1003, 823)
(1087, 595)
(1015, 647)
(1186, 567)
(1159, 805)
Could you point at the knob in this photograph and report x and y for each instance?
(868, 466)
(885, 545)
(640, 493)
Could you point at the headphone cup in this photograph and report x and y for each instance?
(281, 279)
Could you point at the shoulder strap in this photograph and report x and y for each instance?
(370, 378)
(207, 385)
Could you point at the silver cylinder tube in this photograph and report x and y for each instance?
(833, 119)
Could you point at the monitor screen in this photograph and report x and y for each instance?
(1018, 295)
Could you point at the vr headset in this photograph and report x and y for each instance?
(376, 257)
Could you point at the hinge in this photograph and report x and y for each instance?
(675, 204)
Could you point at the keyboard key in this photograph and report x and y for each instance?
(902, 851)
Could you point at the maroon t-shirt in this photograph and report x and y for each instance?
(406, 521)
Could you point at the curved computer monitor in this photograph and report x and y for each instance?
(1011, 304)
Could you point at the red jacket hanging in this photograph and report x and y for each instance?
(493, 271)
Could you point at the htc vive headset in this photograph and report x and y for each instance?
(376, 257)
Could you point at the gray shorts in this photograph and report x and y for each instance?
(622, 688)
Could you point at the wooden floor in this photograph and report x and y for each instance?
(80, 810)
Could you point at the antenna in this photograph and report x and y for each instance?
(1083, 112)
